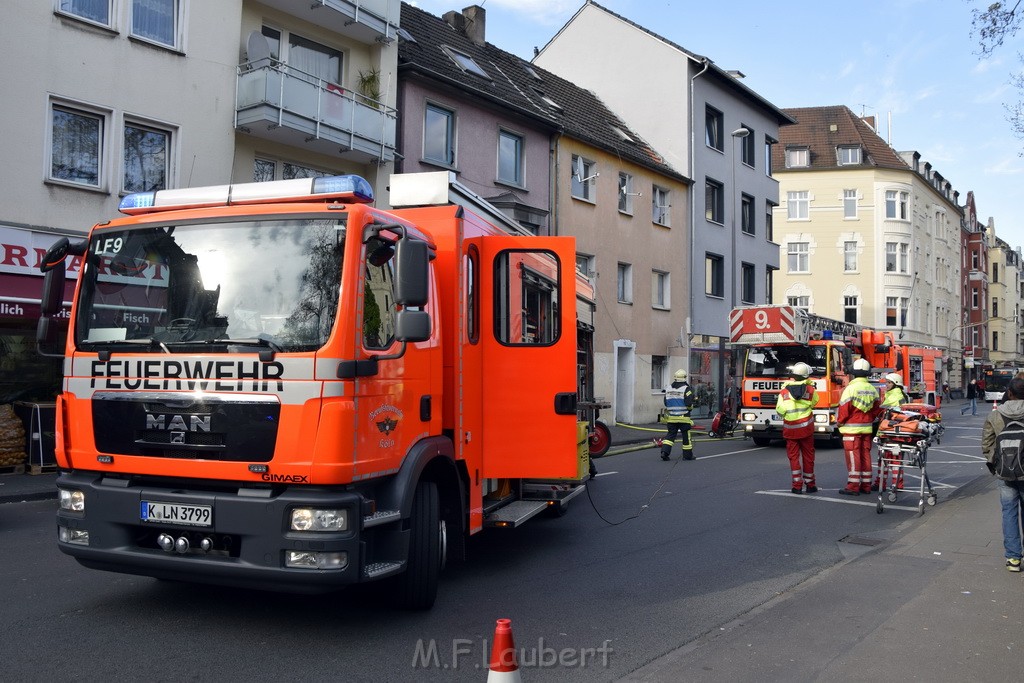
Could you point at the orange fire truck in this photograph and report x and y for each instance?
(778, 337)
(275, 385)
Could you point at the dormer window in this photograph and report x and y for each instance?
(848, 155)
(798, 157)
(548, 101)
(465, 62)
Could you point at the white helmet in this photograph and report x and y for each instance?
(680, 375)
(801, 370)
(861, 368)
(895, 379)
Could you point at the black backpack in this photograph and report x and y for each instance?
(1008, 461)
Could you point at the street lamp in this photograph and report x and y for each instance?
(737, 140)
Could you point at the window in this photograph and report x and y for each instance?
(798, 205)
(768, 142)
(974, 297)
(904, 265)
(583, 177)
(527, 294)
(267, 169)
(769, 284)
(624, 283)
(798, 157)
(769, 221)
(586, 264)
(848, 156)
(995, 341)
(626, 193)
(747, 148)
(510, 158)
(850, 309)
(995, 272)
(146, 158)
(896, 204)
(91, 10)
(995, 308)
(890, 257)
(378, 296)
(290, 171)
(747, 287)
(747, 214)
(801, 302)
(660, 206)
(76, 145)
(894, 313)
(849, 256)
(849, 203)
(661, 295)
(312, 61)
(465, 62)
(156, 21)
(714, 201)
(439, 135)
(659, 371)
(714, 275)
(714, 122)
(798, 257)
(263, 170)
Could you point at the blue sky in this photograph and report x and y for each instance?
(913, 61)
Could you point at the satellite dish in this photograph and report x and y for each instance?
(257, 49)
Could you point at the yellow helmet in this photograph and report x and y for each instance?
(680, 375)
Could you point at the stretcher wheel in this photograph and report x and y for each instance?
(880, 506)
(891, 495)
(932, 498)
(920, 507)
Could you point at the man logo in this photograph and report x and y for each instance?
(178, 423)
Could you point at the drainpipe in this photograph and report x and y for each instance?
(553, 188)
(693, 211)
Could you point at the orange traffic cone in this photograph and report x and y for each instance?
(503, 667)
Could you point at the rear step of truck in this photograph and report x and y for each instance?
(542, 496)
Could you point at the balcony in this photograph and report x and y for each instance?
(282, 104)
(363, 20)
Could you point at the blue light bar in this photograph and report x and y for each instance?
(826, 334)
(352, 185)
(351, 188)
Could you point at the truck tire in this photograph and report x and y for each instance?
(417, 587)
(600, 440)
(761, 440)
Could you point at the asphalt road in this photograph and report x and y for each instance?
(655, 556)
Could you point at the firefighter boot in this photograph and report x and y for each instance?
(666, 449)
(798, 482)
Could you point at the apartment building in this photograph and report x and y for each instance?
(554, 158)
(711, 128)
(108, 97)
(1006, 346)
(867, 234)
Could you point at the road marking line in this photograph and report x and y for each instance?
(827, 499)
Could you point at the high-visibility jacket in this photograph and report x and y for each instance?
(796, 401)
(678, 402)
(894, 398)
(858, 407)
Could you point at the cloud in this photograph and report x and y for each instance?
(994, 95)
(986, 65)
(847, 69)
(1005, 166)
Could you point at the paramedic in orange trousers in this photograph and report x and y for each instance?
(796, 401)
(858, 408)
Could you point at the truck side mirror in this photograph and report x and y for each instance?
(411, 283)
(412, 325)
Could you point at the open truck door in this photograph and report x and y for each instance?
(528, 339)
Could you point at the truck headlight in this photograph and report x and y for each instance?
(77, 536)
(311, 519)
(821, 418)
(305, 559)
(749, 417)
(72, 500)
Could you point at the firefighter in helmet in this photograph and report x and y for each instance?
(895, 397)
(678, 404)
(796, 401)
(858, 408)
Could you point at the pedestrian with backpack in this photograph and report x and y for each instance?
(1002, 443)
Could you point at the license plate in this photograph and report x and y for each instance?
(177, 513)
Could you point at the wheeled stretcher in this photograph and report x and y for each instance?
(903, 439)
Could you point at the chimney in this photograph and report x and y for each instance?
(870, 120)
(471, 23)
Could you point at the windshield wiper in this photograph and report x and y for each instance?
(144, 341)
(270, 347)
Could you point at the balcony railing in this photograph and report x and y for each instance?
(283, 104)
(365, 20)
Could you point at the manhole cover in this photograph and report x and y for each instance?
(861, 540)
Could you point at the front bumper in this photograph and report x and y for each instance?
(249, 534)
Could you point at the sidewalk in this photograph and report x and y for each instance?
(934, 602)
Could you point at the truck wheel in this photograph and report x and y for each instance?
(418, 585)
(600, 440)
(761, 440)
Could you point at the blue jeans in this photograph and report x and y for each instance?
(973, 407)
(1011, 498)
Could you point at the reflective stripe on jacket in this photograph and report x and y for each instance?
(858, 407)
(894, 398)
(678, 402)
(797, 418)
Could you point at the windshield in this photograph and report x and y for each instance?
(269, 282)
(778, 361)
